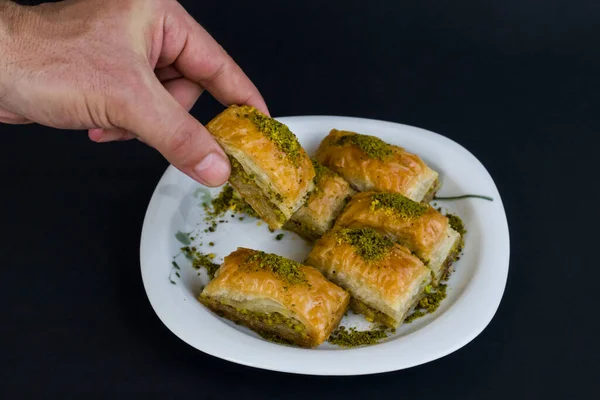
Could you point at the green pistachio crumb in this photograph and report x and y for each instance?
(371, 145)
(200, 260)
(350, 337)
(429, 303)
(277, 132)
(287, 270)
(398, 205)
(456, 224)
(369, 244)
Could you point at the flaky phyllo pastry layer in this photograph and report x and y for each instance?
(379, 248)
(323, 205)
(370, 164)
(270, 169)
(276, 297)
(384, 279)
(419, 227)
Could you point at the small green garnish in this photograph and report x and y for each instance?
(183, 238)
(398, 205)
(465, 196)
(206, 197)
(174, 268)
(369, 244)
(279, 237)
(371, 145)
(211, 244)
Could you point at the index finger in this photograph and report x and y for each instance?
(196, 54)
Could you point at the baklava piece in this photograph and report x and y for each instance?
(323, 206)
(278, 298)
(269, 168)
(421, 228)
(370, 164)
(384, 279)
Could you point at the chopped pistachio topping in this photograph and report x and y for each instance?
(277, 132)
(229, 200)
(398, 205)
(415, 315)
(320, 171)
(200, 260)
(371, 145)
(456, 224)
(352, 338)
(369, 244)
(429, 303)
(432, 301)
(287, 270)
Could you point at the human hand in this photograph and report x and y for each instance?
(122, 69)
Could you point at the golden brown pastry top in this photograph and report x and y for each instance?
(392, 274)
(245, 132)
(418, 226)
(372, 164)
(329, 187)
(305, 292)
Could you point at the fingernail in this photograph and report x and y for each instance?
(96, 134)
(213, 169)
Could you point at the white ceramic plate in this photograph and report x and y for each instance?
(474, 289)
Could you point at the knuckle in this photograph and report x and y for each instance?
(123, 96)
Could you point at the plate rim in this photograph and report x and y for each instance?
(360, 353)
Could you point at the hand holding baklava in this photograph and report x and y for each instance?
(122, 69)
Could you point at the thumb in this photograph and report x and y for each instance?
(160, 121)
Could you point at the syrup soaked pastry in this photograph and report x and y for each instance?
(384, 279)
(419, 227)
(269, 168)
(370, 164)
(323, 206)
(276, 297)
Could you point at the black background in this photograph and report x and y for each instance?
(515, 82)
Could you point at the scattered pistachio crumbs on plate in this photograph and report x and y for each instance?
(350, 337)
(200, 260)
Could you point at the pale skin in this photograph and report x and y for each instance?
(121, 69)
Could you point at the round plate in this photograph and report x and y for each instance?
(475, 289)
